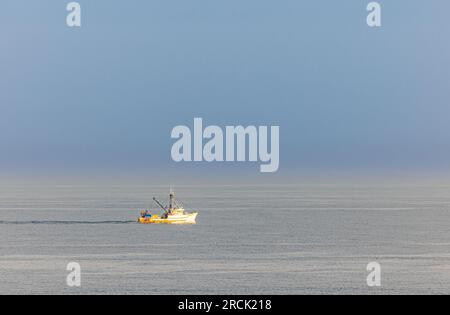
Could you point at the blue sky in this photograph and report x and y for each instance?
(104, 98)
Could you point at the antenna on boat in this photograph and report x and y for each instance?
(171, 196)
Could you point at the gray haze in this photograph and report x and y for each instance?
(104, 98)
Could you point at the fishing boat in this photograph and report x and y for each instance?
(173, 214)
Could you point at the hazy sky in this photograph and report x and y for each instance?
(104, 97)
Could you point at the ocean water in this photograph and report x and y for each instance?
(292, 239)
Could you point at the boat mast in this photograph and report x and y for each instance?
(171, 196)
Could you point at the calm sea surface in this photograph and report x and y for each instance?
(305, 239)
